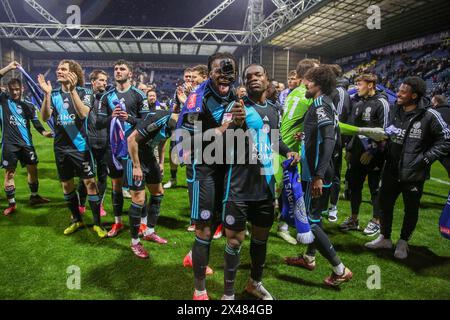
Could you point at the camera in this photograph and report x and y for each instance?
(227, 69)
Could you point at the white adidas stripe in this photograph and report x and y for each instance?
(386, 111)
(440, 181)
(341, 100)
(441, 121)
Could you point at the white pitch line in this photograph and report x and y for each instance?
(440, 181)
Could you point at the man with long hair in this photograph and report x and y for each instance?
(69, 106)
(321, 130)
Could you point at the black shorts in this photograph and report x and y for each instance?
(150, 170)
(73, 163)
(13, 153)
(205, 183)
(101, 164)
(258, 213)
(113, 172)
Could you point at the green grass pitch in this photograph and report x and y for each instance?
(35, 255)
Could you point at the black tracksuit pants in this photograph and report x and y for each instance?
(356, 177)
(390, 189)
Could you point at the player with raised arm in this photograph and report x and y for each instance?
(203, 111)
(17, 144)
(69, 106)
(180, 97)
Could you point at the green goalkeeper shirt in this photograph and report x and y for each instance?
(295, 108)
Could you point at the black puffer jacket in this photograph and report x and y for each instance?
(425, 136)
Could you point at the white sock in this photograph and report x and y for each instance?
(309, 259)
(12, 201)
(135, 241)
(34, 194)
(118, 219)
(225, 297)
(144, 220)
(333, 208)
(339, 269)
(148, 231)
(198, 292)
(190, 254)
(283, 226)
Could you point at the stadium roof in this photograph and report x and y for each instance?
(339, 28)
(188, 28)
(170, 27)
(194, 29)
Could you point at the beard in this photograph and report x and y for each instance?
(309, 95)
(121, 81)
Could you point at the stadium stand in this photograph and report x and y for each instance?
(432, 63)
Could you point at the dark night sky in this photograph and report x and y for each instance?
(155, 13)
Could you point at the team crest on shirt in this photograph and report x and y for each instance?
(138, 183)
(191, 101)
(5, 162)
(266, 128)
(230, 220)
(66, 104)
(366, 115)
(19, 109)
(205, 214)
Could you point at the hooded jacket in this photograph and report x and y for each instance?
(370, 112)
(424, 138)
